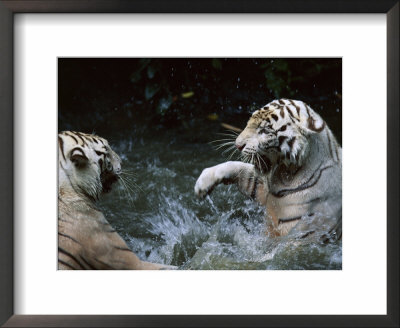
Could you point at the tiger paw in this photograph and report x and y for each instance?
(205, 183)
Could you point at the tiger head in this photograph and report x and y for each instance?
(279, 132)
(88, 163)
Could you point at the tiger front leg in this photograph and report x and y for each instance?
(227, 173)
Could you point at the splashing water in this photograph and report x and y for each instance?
(162, 220)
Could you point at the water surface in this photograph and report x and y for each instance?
(162, 220)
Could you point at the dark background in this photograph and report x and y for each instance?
(190, 94)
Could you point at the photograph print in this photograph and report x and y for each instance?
(199, 164)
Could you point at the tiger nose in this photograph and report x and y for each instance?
(240, 147)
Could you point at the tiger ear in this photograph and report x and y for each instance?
(313, 122)
(78, 157)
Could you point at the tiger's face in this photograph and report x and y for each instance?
(89, 162)
(278, 132)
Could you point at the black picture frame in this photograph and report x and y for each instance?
(10, 7)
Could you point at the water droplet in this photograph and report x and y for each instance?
(337, 110)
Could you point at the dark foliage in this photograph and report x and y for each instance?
(181, 92)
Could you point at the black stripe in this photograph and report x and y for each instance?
(70, 135)
(67, 264)
(297, 107)
(89, 138)
(80, 137)
(100, 153)
(289, 220)
(291, 114)
(69, 237)
(337, 151)
(273, 116)
(107, 265)
(254, 191)
(61, 145)
(282, 112)
(330, 145)
(281, 139)
(291, 142)
(307, 234)
(306, 185)
(63, 251)
(281, 102)
(282, 128)
(87, 263)
(122, 248)
(308, 109)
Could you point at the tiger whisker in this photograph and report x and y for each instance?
(228, 149)
(132, 184)
(224, 144)
(125, 192)
(229, 139)
(228, 133)
(232, 153)
(265, 164)
(129, 172)
(128, 190)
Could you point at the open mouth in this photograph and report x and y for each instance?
(107, 180)
(271, 148)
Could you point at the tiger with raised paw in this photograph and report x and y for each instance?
(292, 164)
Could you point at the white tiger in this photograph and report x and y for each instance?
(87, 169)
(293, 167)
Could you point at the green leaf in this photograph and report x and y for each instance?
(187, 94)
